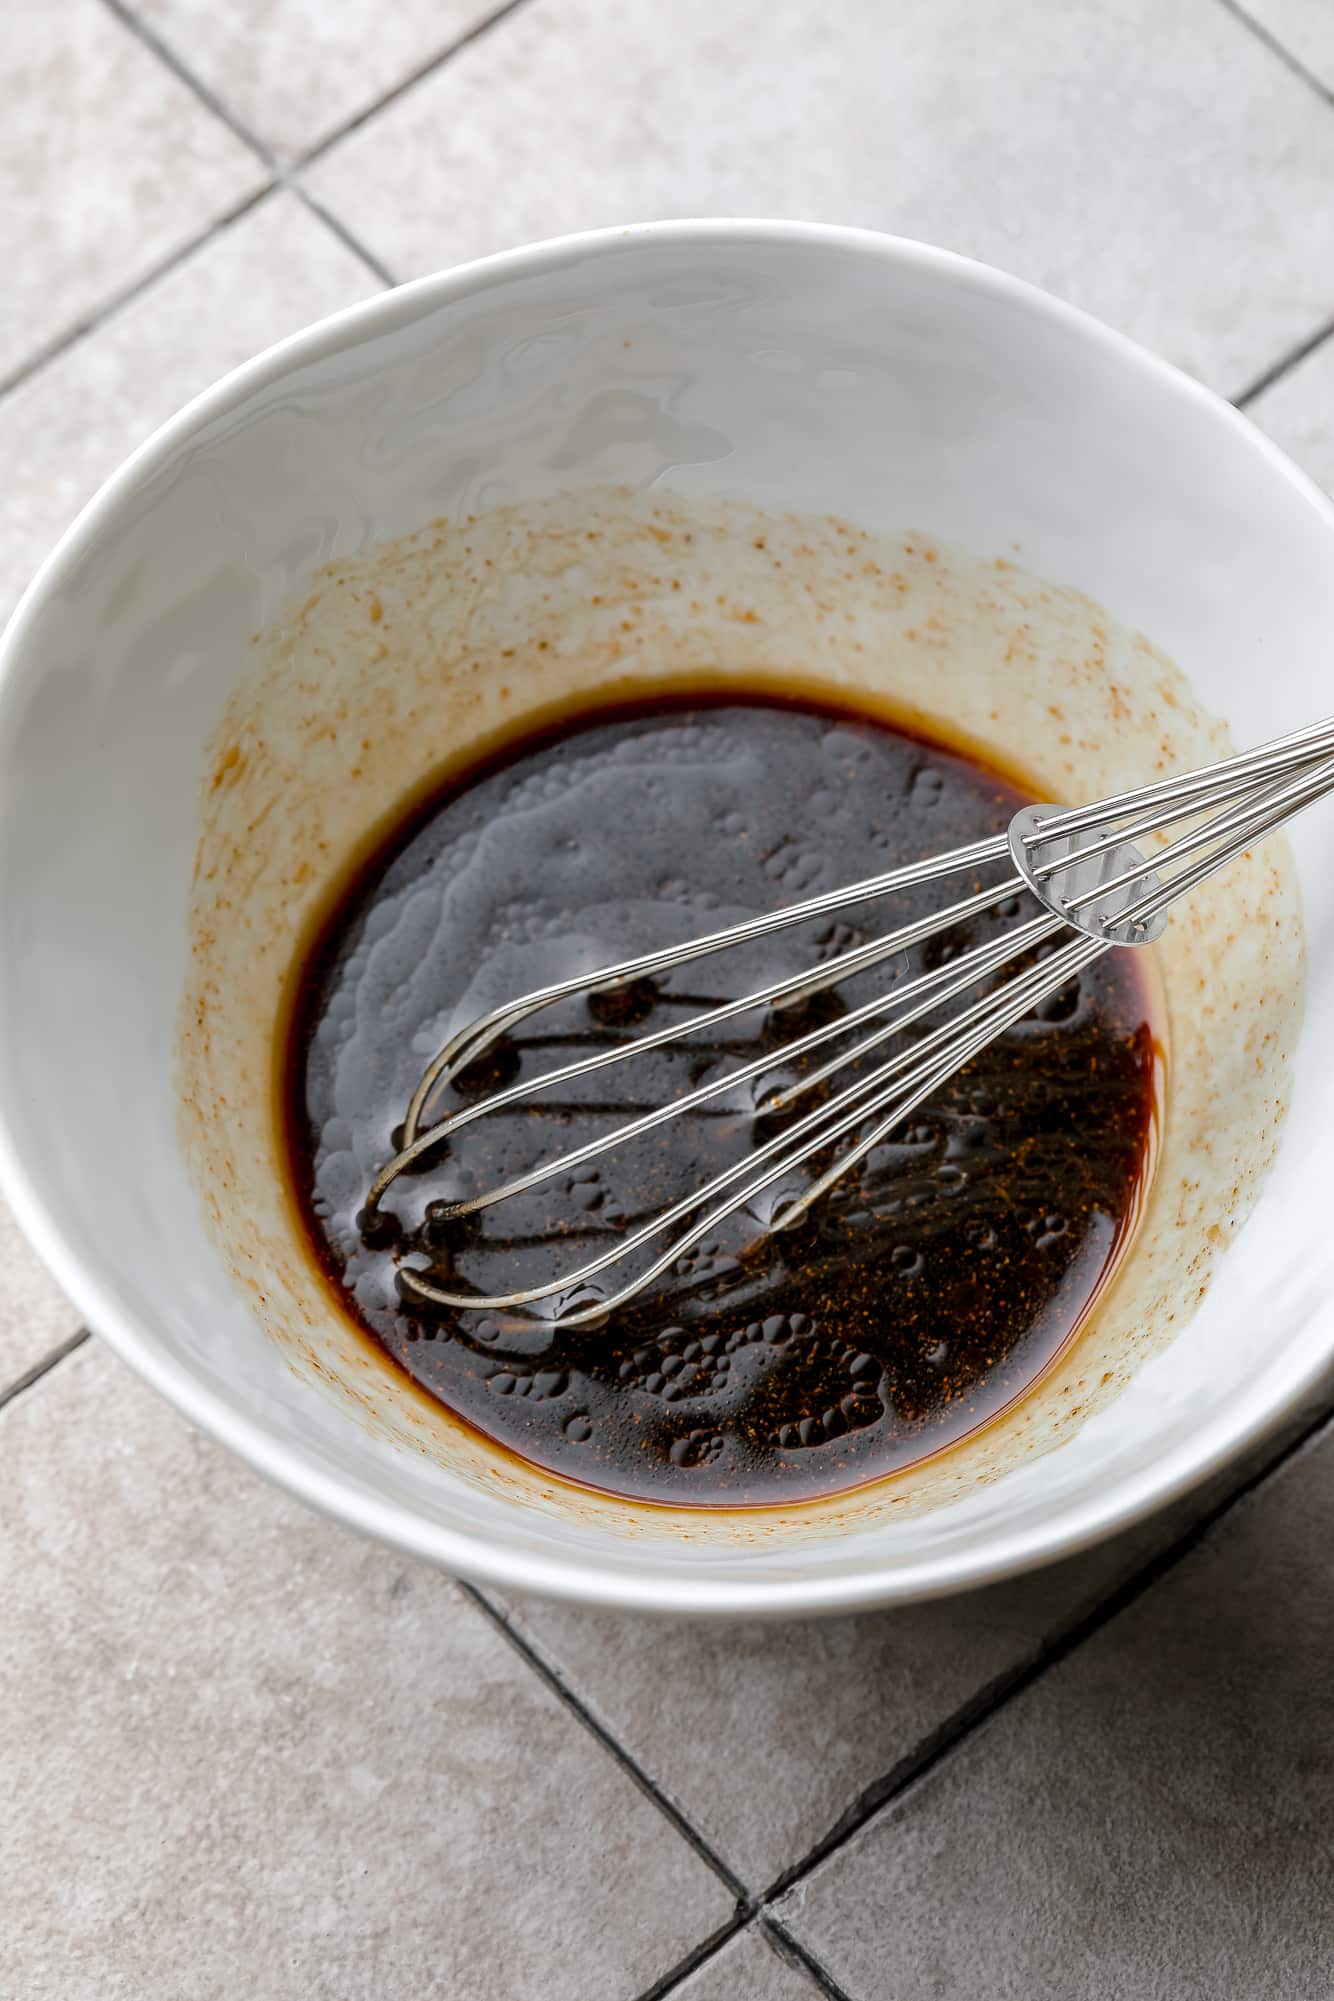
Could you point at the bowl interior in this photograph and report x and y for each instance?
(787, 368)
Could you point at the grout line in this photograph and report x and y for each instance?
(1296, 67)
(941, 1743)
(790, 1948)
(278, 179)
(340, 230)
(405, 84)
(623, 1757)
(108, 307)
(905, 1776)
(787, 1948)
(707, 1949)
(163, 50)
(987, 1702)
(1277, 48)
(166, 55)
(42, 1368)
(1281, 367)
(279, 176)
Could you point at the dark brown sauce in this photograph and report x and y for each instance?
(927, 1291)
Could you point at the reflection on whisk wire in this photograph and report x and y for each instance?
(1094, 890)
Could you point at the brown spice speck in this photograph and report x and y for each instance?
(229, 767)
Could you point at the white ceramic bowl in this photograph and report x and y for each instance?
(815, 369)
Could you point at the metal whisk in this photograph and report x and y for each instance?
(1093, 889)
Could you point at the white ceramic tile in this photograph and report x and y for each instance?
(68, 426)
(1298, 413)
(293, 70)
(1305, 28)
(107, 164)
(748, 1969)
(35, 1316)
(246, 1753)
(1156, 164)
(1151, 1819)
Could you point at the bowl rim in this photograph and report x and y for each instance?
(571, 1577)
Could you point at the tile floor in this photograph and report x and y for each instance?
(243, 1753)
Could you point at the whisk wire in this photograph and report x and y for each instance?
(1089, 881)
(471, 1041)
(861, 958)
(825, 1124)
(927, 991)
(1264, 822)
(1241, 819)
(1302, 746)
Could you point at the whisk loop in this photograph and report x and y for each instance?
(1094, 889)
